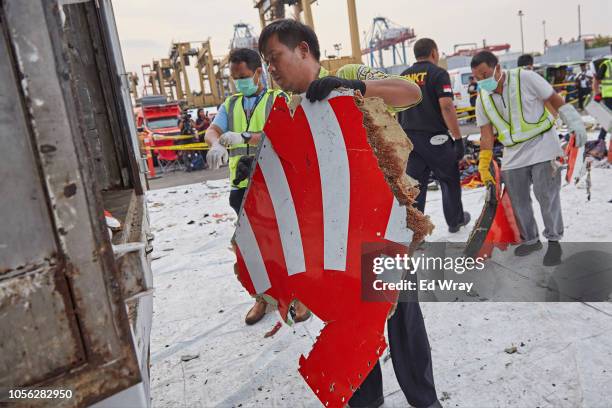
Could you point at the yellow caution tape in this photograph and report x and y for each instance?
(178, 137)
(190, 146)
(461, 110)
(563, 84)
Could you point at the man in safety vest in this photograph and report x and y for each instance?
(291, 50)
(511, 108)
(238, 125)
(602, 88)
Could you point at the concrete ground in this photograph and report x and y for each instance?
(485, 354)
(180, 178)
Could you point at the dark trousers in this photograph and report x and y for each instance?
(442, 160)
(582, 93)
(411, 357)
(603, 132)
(235, 198)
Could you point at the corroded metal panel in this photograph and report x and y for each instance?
(74, 296)
(22, 200)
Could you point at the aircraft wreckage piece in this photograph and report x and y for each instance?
(329, 177)
(496, 226)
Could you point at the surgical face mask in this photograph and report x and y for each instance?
(246, 86)
(489, 84)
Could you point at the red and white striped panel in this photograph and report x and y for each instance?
(311, 167)
(315, 196)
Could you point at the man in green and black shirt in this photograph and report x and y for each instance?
(291, 50)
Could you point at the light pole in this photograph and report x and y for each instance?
(544, 29)
(521, 14)
(579, 25)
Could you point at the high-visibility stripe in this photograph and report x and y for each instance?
(230, 112)
(269, 104)
(238, 151)
(245, 239)
(284, 208)
(335, 181)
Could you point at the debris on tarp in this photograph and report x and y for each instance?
(189, 357)
(511, 350)
(273, 331)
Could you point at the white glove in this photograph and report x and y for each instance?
(216, 156)
(573, 120)
(231, 139)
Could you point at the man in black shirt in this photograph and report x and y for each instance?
(428, 125)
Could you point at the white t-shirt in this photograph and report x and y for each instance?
(545, 147)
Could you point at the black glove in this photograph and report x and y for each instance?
(243, 170)
(319, 89)
(459, 148)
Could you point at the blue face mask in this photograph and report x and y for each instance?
(246, 86)
(489, 84)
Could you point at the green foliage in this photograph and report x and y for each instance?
(599, 41)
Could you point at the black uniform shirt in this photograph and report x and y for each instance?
(427, 116)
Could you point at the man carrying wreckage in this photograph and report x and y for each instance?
(511, 108)
(238, 125)
(291, 50)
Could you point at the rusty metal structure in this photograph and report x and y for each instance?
(133, 81)
(271, 10)
(179, 60)
(76, 304)
(171, 76)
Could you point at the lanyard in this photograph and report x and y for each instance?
(249, 113)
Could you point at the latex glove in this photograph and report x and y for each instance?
(484, 164)
(573, 120)
(216, 156)
(320, 88)
(231, 139)
(459, 148)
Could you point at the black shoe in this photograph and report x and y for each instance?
(526, 249)
(466, 221)
(377, 403)
(553, 254)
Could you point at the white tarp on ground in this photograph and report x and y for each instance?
(564, 350)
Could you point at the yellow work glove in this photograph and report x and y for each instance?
(483, 166)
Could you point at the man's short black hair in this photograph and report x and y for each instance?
(246, 55)
(524, 60)
(290, 33)
(424, 47)
(484, 56)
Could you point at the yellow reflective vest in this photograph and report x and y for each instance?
(516, 129)
(606, 81)
(237, 121)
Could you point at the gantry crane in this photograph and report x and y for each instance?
(386, 35)
(271, 10)
(243, 37)
(133, 81)
(150, 83)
